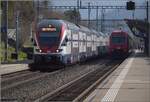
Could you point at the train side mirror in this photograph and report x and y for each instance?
(66, 39)
(32, 40)
(34, 43)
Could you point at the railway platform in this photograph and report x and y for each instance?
(130, 82)
(11, 68)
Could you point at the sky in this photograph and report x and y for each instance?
(111, 14)
(95, 2)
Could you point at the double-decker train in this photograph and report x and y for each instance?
(120, 44)
(59, 41)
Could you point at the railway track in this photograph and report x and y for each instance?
(75, 90)
(34, 76)
(18, 76)
(13, 80)
(36, 85)
(9, 75)
(25, 72)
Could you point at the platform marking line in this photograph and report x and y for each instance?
(112, 92)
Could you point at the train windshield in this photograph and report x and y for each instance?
(49, 32)
(118, 39)
(48, 38)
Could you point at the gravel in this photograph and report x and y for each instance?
(32, 90)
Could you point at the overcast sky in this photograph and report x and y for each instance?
(95, 2)
(139, 14)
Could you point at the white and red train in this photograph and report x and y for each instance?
(120, 44)
(67, 43)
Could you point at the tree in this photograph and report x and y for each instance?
(49, 13)
(26, 16)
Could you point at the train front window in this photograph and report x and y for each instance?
(118, 39)
(48, 38)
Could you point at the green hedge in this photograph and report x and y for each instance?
(21, 56)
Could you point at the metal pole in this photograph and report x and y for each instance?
(89, 11)
(6, 28)
(147, 13)
(1, 32)
(37, 20)
(148, 40)
(17, 25)
(104, 28)
(102, 20)
(133, 15)
(0, 18)
(77, 18)
(148, 18)
(80, 4)
(97, 19)
(147, 35)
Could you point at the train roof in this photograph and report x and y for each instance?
(84, 28)
(46, 21)
(58, 21)
(125, 33)
(94, 31)
(102, 34)
(68, 24)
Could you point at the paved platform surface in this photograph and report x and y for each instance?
(130, 82)
(10, 68)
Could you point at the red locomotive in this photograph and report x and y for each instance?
(120, 44)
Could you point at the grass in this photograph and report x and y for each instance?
(21, 55)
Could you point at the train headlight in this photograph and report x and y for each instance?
(59, 50)
(40, 50)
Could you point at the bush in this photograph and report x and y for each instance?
(22, 56)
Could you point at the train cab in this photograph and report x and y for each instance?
(119, 43)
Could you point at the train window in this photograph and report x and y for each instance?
(49, 34)
(118, 39)
(46, 39)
